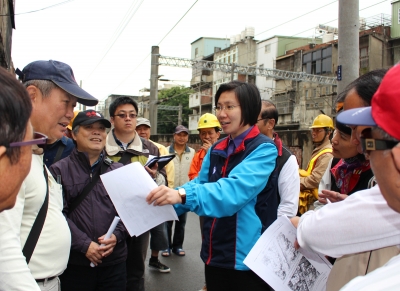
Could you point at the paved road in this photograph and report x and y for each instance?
(187, 273)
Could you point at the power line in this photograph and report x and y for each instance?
(309, 28)
(128, 76)
(297, 17)
(178, 22)
(118, 32)
(51, 6)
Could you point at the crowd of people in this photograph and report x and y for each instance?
(55, 210)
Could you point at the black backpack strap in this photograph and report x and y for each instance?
(37, 226)
(125, 158)
(60, 150)
(106, 163)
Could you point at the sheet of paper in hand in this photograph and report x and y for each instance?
(128, 188)
(278, 263)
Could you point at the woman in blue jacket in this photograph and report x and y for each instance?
(231, 191)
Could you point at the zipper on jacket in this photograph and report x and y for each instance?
(210, 247)
(90, 177)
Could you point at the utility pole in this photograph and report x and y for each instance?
(232, 71)
(348, 50)
(180, 114)
(154, 89)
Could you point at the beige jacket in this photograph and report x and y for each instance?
(321, 164)
(181, 164)
(140, 150)
(169, 167)
(348, 267)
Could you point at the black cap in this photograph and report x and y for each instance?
(89, 117)
(59, 73)
(342, 127)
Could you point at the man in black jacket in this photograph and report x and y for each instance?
(90, 219)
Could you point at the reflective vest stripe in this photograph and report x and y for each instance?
(311, 164)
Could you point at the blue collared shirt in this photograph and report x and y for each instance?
(234, 143)
(51, 150)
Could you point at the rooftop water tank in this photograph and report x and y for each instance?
(243, 35)
(327, 37)
(237, 38)
(233, 39)
(250, 32)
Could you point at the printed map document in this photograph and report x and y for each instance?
(278, 263)
(128, 188)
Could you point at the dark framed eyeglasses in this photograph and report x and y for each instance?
(124, 115)
(371, 144)
(38, 138)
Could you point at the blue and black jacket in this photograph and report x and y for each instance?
(233, 195)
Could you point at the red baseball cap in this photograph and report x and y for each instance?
(385, 107)
(386, 103)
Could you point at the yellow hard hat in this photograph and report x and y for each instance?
(322, 120)
(208, 120)
(69, 126)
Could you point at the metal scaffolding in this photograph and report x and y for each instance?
(243, 70)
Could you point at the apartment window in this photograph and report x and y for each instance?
(327, 65)
(267, 48)
(196, 51)
(234, 58)
(398, 16)
(229, 59)
(364, 59)
(306, 94)
(314, 92)
(328, 90)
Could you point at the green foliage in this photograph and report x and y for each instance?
(168, 120)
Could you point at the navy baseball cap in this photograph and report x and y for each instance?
(89, 117)
(59, 73)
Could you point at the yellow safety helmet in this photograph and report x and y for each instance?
(69, 126)
(208, 120)
(322, 120)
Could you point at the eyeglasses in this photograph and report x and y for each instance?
(38, 138)
(124, 115)
(371, 144)
(226, 107)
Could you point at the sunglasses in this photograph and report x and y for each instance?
(371, 144)
(124, 115)
(38, 138)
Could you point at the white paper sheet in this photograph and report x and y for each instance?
(128, 188)
(276, 261)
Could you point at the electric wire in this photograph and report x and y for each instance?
(128, 76)
(37, 10)
(125, 21)
(312, 28)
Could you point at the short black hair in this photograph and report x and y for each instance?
(122, 101)
(16, 109)
(365, 86)
(270, 112)
(249, 99)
